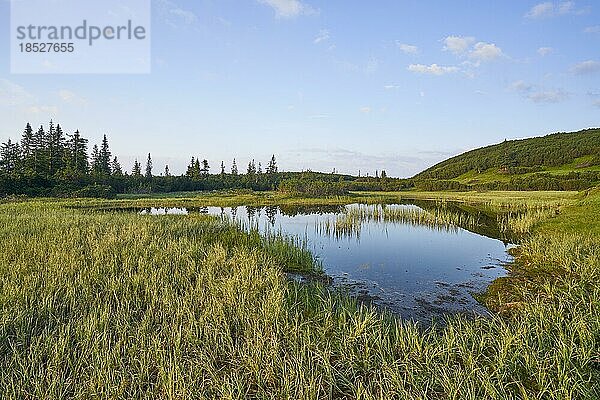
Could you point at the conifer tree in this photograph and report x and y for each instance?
(115, 167)
(205, 168)
(251, 168)
(39, 151)
(148, 173)
(196, 170)
(104, 157)
(96, 167)
(9, 157)
(222, 168)
(167, 172)
(27, 145)
(137, 169)
(234, 168)
(190, 168)
(76, 154)
(272, 167)
(56, 149)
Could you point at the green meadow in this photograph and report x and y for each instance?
(99, 303)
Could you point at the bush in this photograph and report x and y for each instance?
(311, 188)
(96, 191)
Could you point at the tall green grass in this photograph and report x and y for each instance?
(349, 223)
(117, 305)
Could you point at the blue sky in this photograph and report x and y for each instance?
(351, 85)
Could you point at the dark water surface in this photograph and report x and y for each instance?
(417, 271)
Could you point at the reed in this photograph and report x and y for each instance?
(349, 223)
(121, 305)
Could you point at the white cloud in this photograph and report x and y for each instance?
(458, 44)
(365, 110)
(391, 87)
(541, 10)
(70, 97)
(521, 86)
(548, 96)
(553, 9)
(12, 94)
(432, 69)
(407, 48)
(597, 103)
(485, 52)
(544, 51)
(288, 8)
(174, 14)
(52, 110)
(466, 46)
(322, 36)
(185, 15)
(539, 94)
(586, 67)
(592, 29)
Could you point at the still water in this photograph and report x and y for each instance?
(417, 271)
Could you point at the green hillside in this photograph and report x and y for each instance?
(562, 161)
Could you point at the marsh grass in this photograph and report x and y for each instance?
(349, 223)
(523, 222)
(118, 305)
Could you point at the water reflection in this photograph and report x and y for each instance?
(164, 211)
(417, 265)
(419, 260)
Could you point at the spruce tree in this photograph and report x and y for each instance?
(272, 167)
(222, 168)
(167, 172)
(190, 168)
(96, 163)
(40, 165)
(205, 168)
(56, 149)
(148, 173)
(104, 157)
(196, 170)
(9, 157)
(234, 168)
(137, 169)
(76, 154)
(251, 168)
(115, 167)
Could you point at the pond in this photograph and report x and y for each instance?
(394, 256)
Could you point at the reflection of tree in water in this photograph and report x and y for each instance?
(271, 212)
(203, 210)
(234, 212)
(293, 210)
(252, 212)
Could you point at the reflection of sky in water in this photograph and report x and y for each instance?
(417, 271)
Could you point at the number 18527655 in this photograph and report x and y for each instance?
(46, 47)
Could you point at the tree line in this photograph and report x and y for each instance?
(50, 162)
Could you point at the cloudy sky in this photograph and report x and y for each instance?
(350, 85)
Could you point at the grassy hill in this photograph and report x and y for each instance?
(560, 161)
